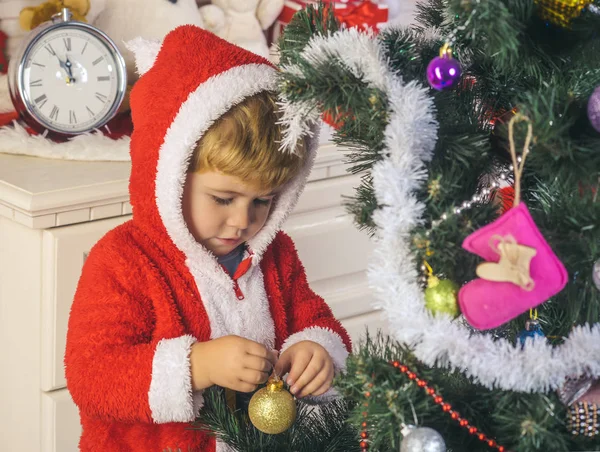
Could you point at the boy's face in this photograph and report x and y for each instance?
(221, 212)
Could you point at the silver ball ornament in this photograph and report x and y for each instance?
(596, 274)
(423, 439)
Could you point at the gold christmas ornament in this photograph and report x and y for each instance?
(561, 12)
(272, 409)
(441, 294)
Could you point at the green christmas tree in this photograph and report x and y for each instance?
(518, 369)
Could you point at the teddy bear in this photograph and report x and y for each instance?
(124, 20)
(242, 22)
(32, 16)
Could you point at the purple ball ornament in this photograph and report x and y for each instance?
(444, 71)
(594, 109)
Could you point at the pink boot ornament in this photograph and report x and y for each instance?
(521, 271)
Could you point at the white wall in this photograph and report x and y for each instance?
(401, 11)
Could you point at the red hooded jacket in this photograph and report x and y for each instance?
(148, 290)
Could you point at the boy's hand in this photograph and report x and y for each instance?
(231, 362)
(309, 366)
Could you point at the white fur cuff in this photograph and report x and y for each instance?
(170, 397)
(328, 339)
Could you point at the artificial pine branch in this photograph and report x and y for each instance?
(323, 428)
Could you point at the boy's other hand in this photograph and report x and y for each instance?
(231, 362)
(309, 367)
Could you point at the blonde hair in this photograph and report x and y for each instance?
(244, 142)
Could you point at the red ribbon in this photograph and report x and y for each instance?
(363, 15)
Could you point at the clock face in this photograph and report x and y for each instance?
(71, 81)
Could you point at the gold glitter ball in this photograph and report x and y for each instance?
(441, 296)
(272, 409)
(561, 12)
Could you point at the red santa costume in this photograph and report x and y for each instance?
(148, 290)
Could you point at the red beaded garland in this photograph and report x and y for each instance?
(439, 400)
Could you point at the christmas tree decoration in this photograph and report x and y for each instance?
(593, 109)
(443, 72)
(583, 419)
(521, 271)
(272, 409)
(532, 330)
(428, 438)
(596, 274)
(441, 295)
(422, 439)
(561, 12)
(573, 389)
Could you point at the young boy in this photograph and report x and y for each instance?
(201, 288)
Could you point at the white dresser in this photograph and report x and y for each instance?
(52, 212)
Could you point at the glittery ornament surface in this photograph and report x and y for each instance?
(532, 331)
(596, 274)
(561, 12)
(583, 419)
(423, 439)
(272, 409)
(594, 111)
(441, 295)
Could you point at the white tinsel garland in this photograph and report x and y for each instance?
(410, 140)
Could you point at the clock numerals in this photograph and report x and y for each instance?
(101, 97)
(38, 64)
(97, 61)
(50, 50)
(36, 83)
(104, 78)
(54, 113)
(72, 117)
(84, 47)
(67, 42)
(41, 101)
(92, 114)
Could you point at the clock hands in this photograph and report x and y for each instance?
(67, 66)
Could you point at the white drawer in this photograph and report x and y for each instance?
(329, 244)
(325, 193)
(61, 428)
(347, 295)
(64, 251)
(357, 326)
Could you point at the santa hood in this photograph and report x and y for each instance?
(187, 82)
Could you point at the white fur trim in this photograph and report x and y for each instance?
(224, 447)
(170, 396)
(328, 339)
(205, 105)
(249, 318)
(145, 52)
(6, 105)
(95, 146)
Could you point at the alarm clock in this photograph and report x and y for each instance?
(67, 78)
